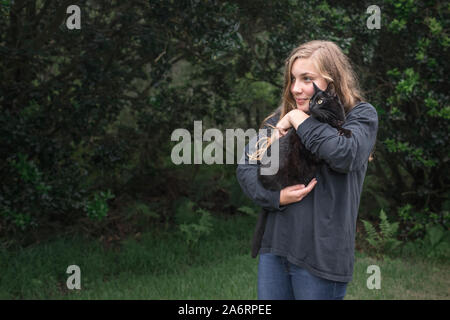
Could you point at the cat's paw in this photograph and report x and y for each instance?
(345, 132)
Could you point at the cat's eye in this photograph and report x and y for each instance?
(319, 101)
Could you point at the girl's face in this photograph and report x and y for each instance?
(303, 73)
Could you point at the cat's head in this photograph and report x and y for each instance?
(325, 105)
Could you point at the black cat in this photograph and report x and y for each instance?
(297, 165)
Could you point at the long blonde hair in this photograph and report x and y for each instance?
(333, 65)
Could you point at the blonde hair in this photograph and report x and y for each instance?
(333, 65)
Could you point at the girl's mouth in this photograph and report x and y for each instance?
(301, 101)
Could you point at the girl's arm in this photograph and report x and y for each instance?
(342, 154)
(247, 176)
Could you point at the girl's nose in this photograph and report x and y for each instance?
(297, 88)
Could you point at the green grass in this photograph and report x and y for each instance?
(401, 278)
(160, 265)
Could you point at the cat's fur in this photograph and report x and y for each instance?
(297, 165)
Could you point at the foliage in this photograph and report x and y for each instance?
(435, 244)
(247, 210)
(412, 100)
(93, 109)
(31, 186)
(139, 208)
(63, 95)
(195, 230)
(193, 222)
(436, 240)
(97, 208)
(414, 223)
(383, 241)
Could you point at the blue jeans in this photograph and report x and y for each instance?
(278, 279)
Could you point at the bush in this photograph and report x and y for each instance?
(414, 223)
(97, 209)
(435, 244)
(194, 231)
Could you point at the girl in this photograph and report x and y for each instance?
(307, 247)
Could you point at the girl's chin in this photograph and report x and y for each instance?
(304, 108)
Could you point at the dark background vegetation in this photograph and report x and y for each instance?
(87, 115)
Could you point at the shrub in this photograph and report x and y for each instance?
(435, 244)
(194, 231)
(97, 209)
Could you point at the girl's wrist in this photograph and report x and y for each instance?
(296, 118)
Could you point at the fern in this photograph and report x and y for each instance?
(372, 236)
(194, 231)
(383, 241)
(388, 230)
(247, 210)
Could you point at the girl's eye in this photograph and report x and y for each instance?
(307, 79)
(292, 79)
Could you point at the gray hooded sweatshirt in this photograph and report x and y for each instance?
(318, 232)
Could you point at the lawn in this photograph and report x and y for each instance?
(161, 265)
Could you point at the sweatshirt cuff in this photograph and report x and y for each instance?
(274, 197)
(307, 126)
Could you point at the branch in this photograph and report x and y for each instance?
(54, 25)
(41, 13)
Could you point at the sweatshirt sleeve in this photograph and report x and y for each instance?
(340, 153)
(247, 176)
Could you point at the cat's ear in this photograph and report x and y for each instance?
(316, 88)
(331, 89)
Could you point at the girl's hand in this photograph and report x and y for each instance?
(296, 193)
(296, 117)
(292, 119)
(283, 125)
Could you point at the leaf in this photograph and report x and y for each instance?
(435, 234)
(247, 210)
(372, 236)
